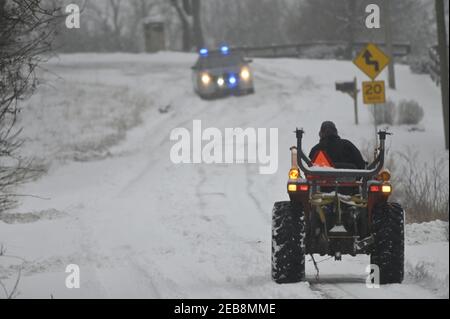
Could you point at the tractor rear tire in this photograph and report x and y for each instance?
(389, 242)
(288, 249)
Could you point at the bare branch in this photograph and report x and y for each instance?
(27, 29)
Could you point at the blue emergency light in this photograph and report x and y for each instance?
(225, 49)
(232, 80)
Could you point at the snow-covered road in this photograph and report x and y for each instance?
(140, 226)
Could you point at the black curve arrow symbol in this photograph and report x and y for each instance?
(368, 57)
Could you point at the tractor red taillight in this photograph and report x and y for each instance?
(374, 188)
(304, 188)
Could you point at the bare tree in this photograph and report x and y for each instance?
(197, 24)
(334, 20)
(424, 188)
(251, 22)
(185, 24)
(117, 25)
(26, 31)
(141, 10)
(108, 17)
(10, 294)
(189, 13)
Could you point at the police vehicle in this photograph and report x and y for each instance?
(222, 72)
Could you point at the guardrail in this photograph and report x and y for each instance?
(300, 49)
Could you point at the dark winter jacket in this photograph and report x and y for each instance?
(341, 152)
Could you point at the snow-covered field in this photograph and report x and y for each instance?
(140, 226)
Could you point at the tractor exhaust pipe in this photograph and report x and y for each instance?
(294, 163)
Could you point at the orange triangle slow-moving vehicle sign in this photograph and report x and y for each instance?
(322, 159)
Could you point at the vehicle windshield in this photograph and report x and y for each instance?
(217, 61)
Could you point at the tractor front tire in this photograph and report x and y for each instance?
(389, 242)
(288, 249)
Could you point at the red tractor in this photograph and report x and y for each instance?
(335, 209)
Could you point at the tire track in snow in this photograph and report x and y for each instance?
(330, 290)
(253, 197)
(154, 149)
(143, 270)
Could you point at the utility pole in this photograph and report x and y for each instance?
(443, 59)
(355, 100)
(389, 46)
(352, 17)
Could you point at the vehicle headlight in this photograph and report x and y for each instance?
(220, 81)
(245, 73)
(205, 78)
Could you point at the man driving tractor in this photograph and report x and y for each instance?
(342, 152)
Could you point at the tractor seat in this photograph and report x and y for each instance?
(344, 190)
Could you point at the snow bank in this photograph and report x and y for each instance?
(427, 256)
(424, 233)
(427, 265)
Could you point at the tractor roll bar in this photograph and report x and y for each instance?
(372, 169)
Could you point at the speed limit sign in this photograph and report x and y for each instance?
(374, 92)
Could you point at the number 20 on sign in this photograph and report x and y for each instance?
(374, 92)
